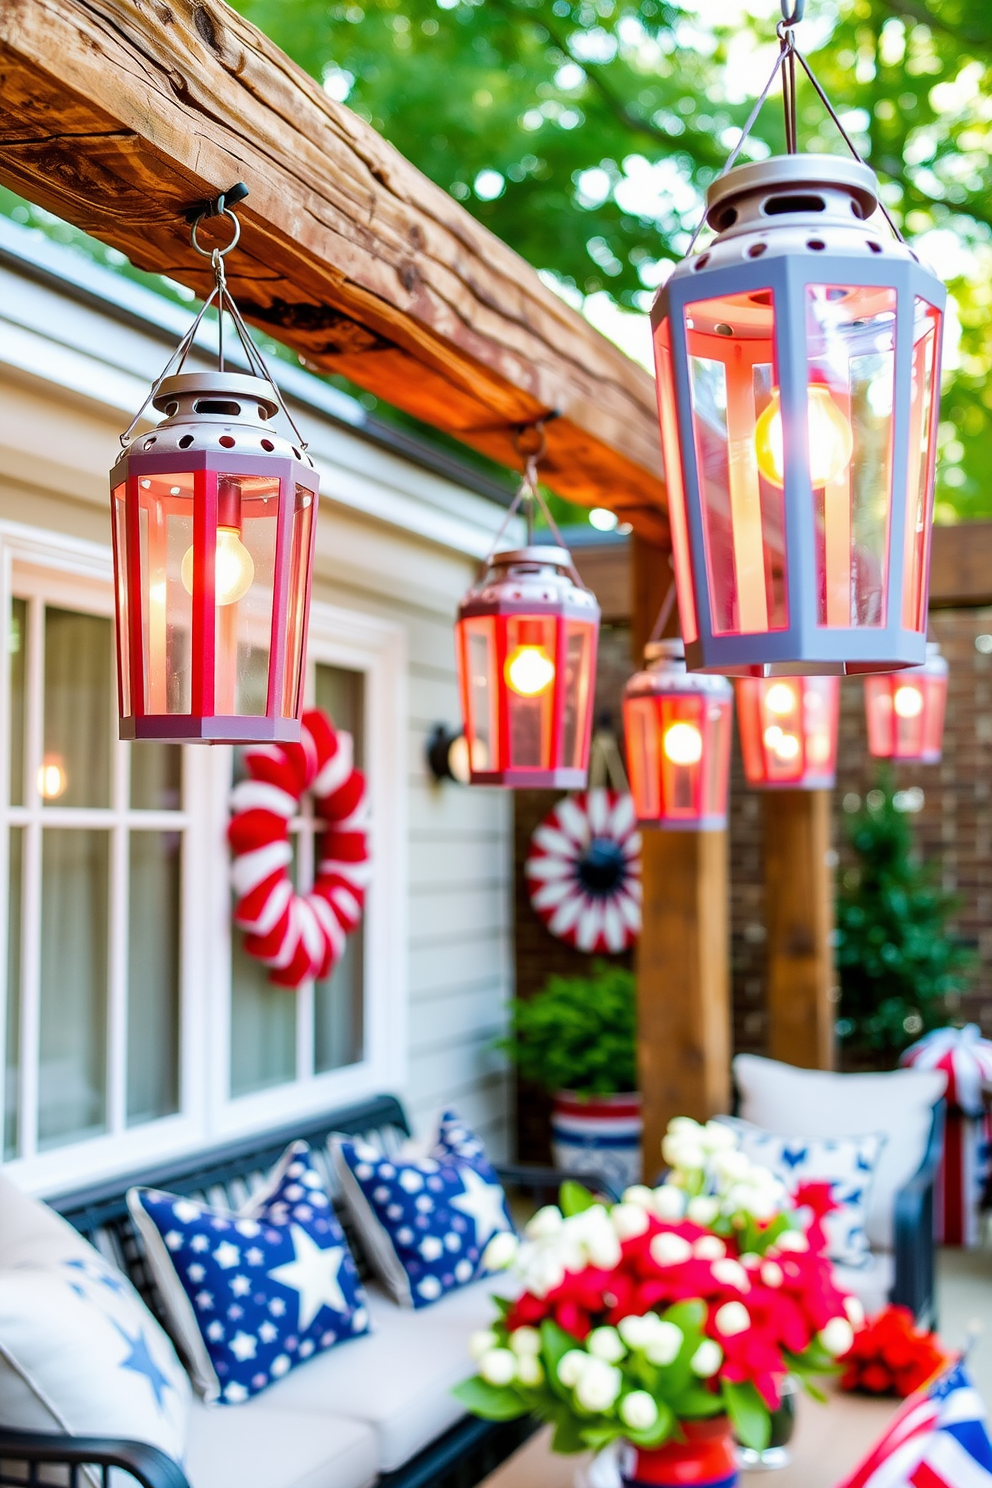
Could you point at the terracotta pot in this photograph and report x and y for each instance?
(704, 1459)
(598, 1136)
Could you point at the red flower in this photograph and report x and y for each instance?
(891, 1356)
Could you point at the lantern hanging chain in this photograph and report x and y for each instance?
(529, 492)
(664, 614)
(787, 57)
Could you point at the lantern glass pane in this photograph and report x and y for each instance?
(297, 600)
(919, 494)
(850, 335)
(123, 618)
(673, 480)
(683, 755)
(165, 546)
(477, 658)
(579, 653)
(640, 726)
(75, 768)
(247, 526)
(719, 727)
(731, 366)
(530, 675)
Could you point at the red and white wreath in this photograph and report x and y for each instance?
(584, 871)
(300, 936)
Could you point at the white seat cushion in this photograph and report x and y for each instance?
(818, 1103)
(399, 1378)
(871, 1284)
(240, 1446)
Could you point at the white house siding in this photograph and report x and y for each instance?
(394, 540)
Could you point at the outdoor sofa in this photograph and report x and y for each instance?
(377, 1410)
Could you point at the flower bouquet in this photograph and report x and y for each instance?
(669, 1321)
(891, 1356)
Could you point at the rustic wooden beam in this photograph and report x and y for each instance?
(800, 978)
(118, 114)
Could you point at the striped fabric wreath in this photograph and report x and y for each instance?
(584, 871)
(300, 937)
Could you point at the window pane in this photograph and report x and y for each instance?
(339, 1009)
(78, 706)
(13, 1020)
(341, 693)
(156, 777)
(153, 976)
(16, 648)
(74, 905)
(263, 1026)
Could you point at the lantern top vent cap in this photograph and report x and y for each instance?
(797, 173)
(217, 385)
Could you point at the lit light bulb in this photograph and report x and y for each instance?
(784, 746)
(831, 442)
(530, 670)
(683, 744)
(52, 779)
(908, 702)
(233, 569)
(780, 699)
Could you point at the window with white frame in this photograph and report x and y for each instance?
(134, 1025)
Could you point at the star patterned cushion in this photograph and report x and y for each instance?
(424, 1215)
(848, 1164)
(252, 1295)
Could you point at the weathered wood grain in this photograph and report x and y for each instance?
(799, 891)
(118, 114)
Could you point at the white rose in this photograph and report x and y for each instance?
(546, 1222)
(732, 1318)
(482, 1343)
(837, 1336)
(751, 1261)
(604, 1250)
(530, 1370)
(684, 1155)
(599, 1385)
(718, 1137)
(544, 1275)
(668, 1202)
(501, 1251)
(525, 1342)
(731, 1164)
(729, 1272)
(855, 1312)
(684, 1126)
(638, 1193)
(572, 1366)
(709, 1248)
(792, 1240)
(606, 1343)
(703, 1209)
(498, 1366)
(629, 1220)
(637, 1332)
(771, 1274)
(664, 1346)
(668, 1249)
(638, 1410)
(707, 1359)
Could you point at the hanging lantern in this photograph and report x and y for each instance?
(905, 711)
(677, 727)
(798, 364)
(213, 525)
(788, 729)
(526, 647)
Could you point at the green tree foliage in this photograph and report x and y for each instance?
(578, 1033)
(900, 967)
(583, 132)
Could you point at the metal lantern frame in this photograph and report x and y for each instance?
(908, 735)
(784, 226)
(812, 718)
(215, 473)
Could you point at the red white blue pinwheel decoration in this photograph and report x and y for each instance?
(584, 871)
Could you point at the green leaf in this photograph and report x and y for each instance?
(574, 1198)
(492, 1402)
(598, 1437)
(568, 1435)
(659, 1432)
(555, 1343)
(749, 1415)
(696, 1403)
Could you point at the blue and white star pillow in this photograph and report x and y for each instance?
(424, 1219)
(252, 1295)
(848, 1164)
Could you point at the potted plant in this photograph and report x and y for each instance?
(577, 1040)
(668, 1323)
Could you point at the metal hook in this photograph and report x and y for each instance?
(529, 440)
(215, 253)
(792, 11)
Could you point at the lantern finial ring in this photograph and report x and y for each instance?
(215, 252)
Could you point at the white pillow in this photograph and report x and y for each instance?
(848, 1164)
(79, 1351)
(818, 1103)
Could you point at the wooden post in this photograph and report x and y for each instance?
(682, 961)
(799, 919)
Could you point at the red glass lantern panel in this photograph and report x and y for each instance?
(526, 650)
(213, 547)
(677, 731)
(788, 731)
(905, 711)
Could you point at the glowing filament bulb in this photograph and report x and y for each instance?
(784, 746)
(233, 570)
(52, 779)
(908, 702)
(683, 744)
(780, 699)
(831, 441)
(530, 670)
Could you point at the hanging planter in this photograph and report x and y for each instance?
(905, 711)
(788, 728)
(798, 363)
(213, 526)
(525, 644)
